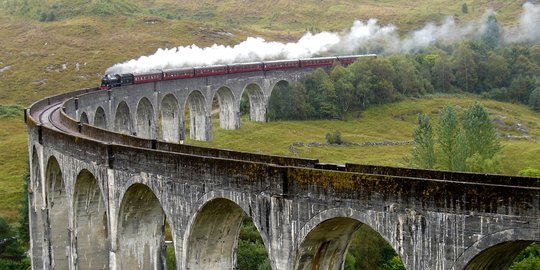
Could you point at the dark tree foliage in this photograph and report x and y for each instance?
(534, 100)
(423, 155)
(372, 252)
(251, 253)
(529, 259)
(491, 34)
(465, 8)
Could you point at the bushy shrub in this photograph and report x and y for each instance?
(334, 138)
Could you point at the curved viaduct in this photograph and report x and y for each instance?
(100, 197)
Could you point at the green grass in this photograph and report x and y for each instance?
(13, 164)
(391, 122)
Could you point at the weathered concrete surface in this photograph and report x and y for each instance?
(122, 190)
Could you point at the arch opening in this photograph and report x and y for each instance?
(223, 105)
(84, 118)
(170, 119)
(100, 119)
(145, 119)
(170, 253)
(219, 229)
(141, 230)
(507, 255)
(57, 204)
(90, 223)
(35, 202)
(195, 113)
(287, 102)
(253, 97)
(122, 119)
(344, 242)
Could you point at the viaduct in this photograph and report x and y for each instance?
(108, 175)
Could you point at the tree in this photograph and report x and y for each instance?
(525, 67)
(534, 99)
(442, 76)
(321, 95)
(465, 67)
(465, 8)
(342, 79)
(528, 259)
(448, 137)
(521, 88)
(373, 79)
(491, 34)
(480, 135)
(423, 154)
(497, 71)
(407, 79)
(471, 148)
(529, 172)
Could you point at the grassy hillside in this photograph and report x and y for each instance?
(40, 58)
(391, 123)
(13, 160)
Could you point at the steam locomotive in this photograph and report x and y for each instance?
(115, 80)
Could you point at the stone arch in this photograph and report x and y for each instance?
(100, 118)
(122, 118)
(84, 118)
(90, 223)
(140, 238)
(229, 113)
(57, 205)
(212, 233)
(170, 119)
(323, 241)
(497, 250)
(257, 102)
(37, 221)
(279, 83)
(281, 102)
(199, 124)
(144, 120)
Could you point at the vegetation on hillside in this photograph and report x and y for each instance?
(469, 143)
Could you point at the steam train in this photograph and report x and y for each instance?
(115, 80)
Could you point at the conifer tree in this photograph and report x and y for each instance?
(448, 135)
(480, 135)
(423, 152)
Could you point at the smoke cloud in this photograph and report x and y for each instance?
(368, 37)
(528, 29)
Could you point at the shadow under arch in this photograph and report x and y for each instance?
(36, 216)
(324, 239)
(144, 120)
(57, 205)
(100, 119)
(257, 102)
(170, 119)
(84, 118)
(122, 118)
(228, 111)
(199, 126)
(90, 223)
(284, 103)
(212, 233)
(141, 230)
(497, 250)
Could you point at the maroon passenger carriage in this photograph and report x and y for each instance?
(114, 80)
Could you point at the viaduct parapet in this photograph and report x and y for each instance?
(108, 177)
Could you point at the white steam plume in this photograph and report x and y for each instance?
(528, 29)
(362, 37)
